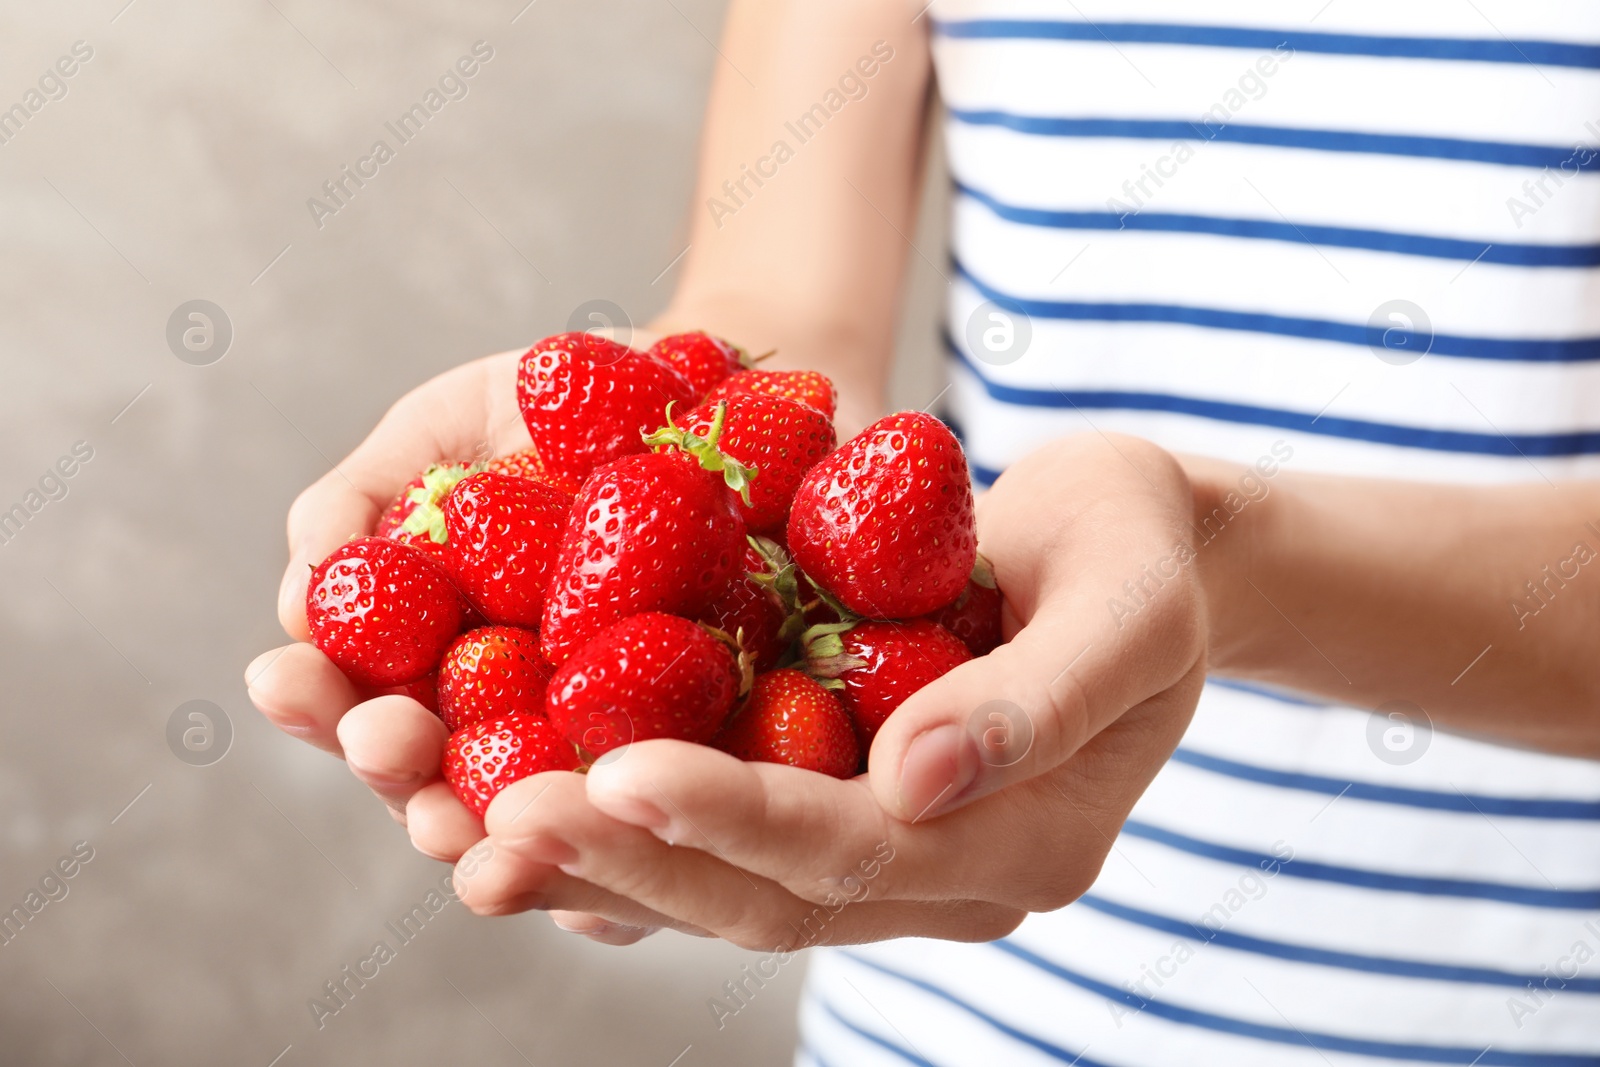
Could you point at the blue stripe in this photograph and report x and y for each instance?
(882, 1042)
(1529, 350)
(811, 1054)
(1474, 50)
(1386, 881)
(1486, 444)
(1349, 961)
(1409, 244)
(1490, 1057)
(1504, 153)
(1054, 1051)
(1475, 803)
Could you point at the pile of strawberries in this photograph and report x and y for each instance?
(683, 553)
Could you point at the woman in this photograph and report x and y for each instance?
(1282, 330)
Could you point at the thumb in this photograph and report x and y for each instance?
(1027, 707)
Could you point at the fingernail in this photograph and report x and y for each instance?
(380, 780)
(551, 851)
(614, 792)
(939, 766)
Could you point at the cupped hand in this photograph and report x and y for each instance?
(995, 791)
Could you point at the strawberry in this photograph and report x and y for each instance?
(974, 615)
(874, 666)
(803, 386)
(753, 607)
(789, 718)
(416, 515)
(492, 672)
(503, 534)
(657, 532)
(382, 611)
(702, 359)
(885, 523)
(527, 464)
(651, 675)
(587, 400)
(778, 439)
(424, 691)
(485, 756)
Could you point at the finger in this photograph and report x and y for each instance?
(394, 745)
(302, 693)
(440, 825)
(598, 929)
(1075, 666)
(465, 412)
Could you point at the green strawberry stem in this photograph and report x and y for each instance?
(705, 450)
(983, 573)
(825, 658)
(427, 517)
(746, 660)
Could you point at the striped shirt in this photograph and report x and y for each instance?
(1338, 236)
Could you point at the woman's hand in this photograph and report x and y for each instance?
(995, 791)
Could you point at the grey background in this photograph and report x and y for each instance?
(177, 167)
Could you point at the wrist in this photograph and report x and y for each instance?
(1237, 510)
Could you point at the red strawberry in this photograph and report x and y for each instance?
(753, 608)
(382, 611)
(503, 535)
(484, 757)
(974, 615)
(492, 672)
(416, 515)
(587, 400)
(877, 665)
(424, 691)
(789, 718)
(702, 359)
(803, 386)
(657, 532)
(650, 675)
(886, 523)
(526, 464)
(778, 439)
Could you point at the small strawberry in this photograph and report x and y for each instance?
(802, 386)
(778, 439)
(874, 666)
(587, 400)
(527, 464)
(886, 522)
(503, 535)
(974, 615)
(753, 607)
(651, 675)
(382, 611)
(702, 359)
(789, 718)
(485, 756)
(657, 532)
(416, 515)
(492, 672)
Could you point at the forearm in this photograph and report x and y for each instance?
(1481, 604)
(795, 239)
